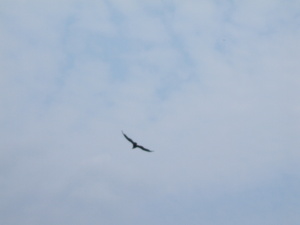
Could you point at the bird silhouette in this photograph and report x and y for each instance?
(134, 144)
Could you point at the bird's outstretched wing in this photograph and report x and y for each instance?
(128, 138)
(145, 149)
(135, 145)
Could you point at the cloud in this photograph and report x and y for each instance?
(211, 87)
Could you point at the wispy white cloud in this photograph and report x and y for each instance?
(211, 86)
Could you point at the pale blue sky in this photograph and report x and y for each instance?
(211, 86)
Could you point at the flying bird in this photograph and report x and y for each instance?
(134, 144)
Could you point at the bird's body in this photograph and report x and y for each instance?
(135, 145)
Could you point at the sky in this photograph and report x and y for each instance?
(212, 87)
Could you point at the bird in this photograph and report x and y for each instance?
(135, 145)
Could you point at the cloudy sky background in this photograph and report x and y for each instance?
(211, 86)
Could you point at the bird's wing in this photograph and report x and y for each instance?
(145, 149)
(128, 138)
